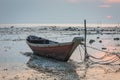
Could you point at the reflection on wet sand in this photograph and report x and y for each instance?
(60, 70)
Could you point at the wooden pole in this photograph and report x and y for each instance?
(86, 57)
(85, 30)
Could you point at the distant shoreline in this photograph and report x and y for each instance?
(60, 25)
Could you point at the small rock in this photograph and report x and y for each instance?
(91, 41)
(116, 39)
(98, 37)
(28, 78)
(5, 69)
(3, 77)
(104, 48)
(16, 77)
(100, 41)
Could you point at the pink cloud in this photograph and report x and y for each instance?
(112, 1)
(73, 1)
(104, 6)
(108, 17)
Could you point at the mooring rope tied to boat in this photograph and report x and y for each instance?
(100, 50)
(105, 62)
(109, 61)
(80, 53)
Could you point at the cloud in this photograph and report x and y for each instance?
(112, 1)
(105, 1)
(73, 1)
(108, 17)
(108, 3)
(105, 6)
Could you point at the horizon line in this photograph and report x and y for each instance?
(62, 25)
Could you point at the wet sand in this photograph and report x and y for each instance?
(17, 61)
(95, 73)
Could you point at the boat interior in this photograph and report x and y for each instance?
(39, 40)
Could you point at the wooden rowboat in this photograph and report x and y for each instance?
(52, 49)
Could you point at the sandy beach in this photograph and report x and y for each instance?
(26, 73)
(17, 61)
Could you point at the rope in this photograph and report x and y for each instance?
(80, 53)
(104, 62)
(98, 49)
(98, 58)
(95, 48)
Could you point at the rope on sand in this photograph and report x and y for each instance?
(113, 57)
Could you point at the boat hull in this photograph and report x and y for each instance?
(57, 52)
(51, 49)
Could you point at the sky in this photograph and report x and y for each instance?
(59, 11)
